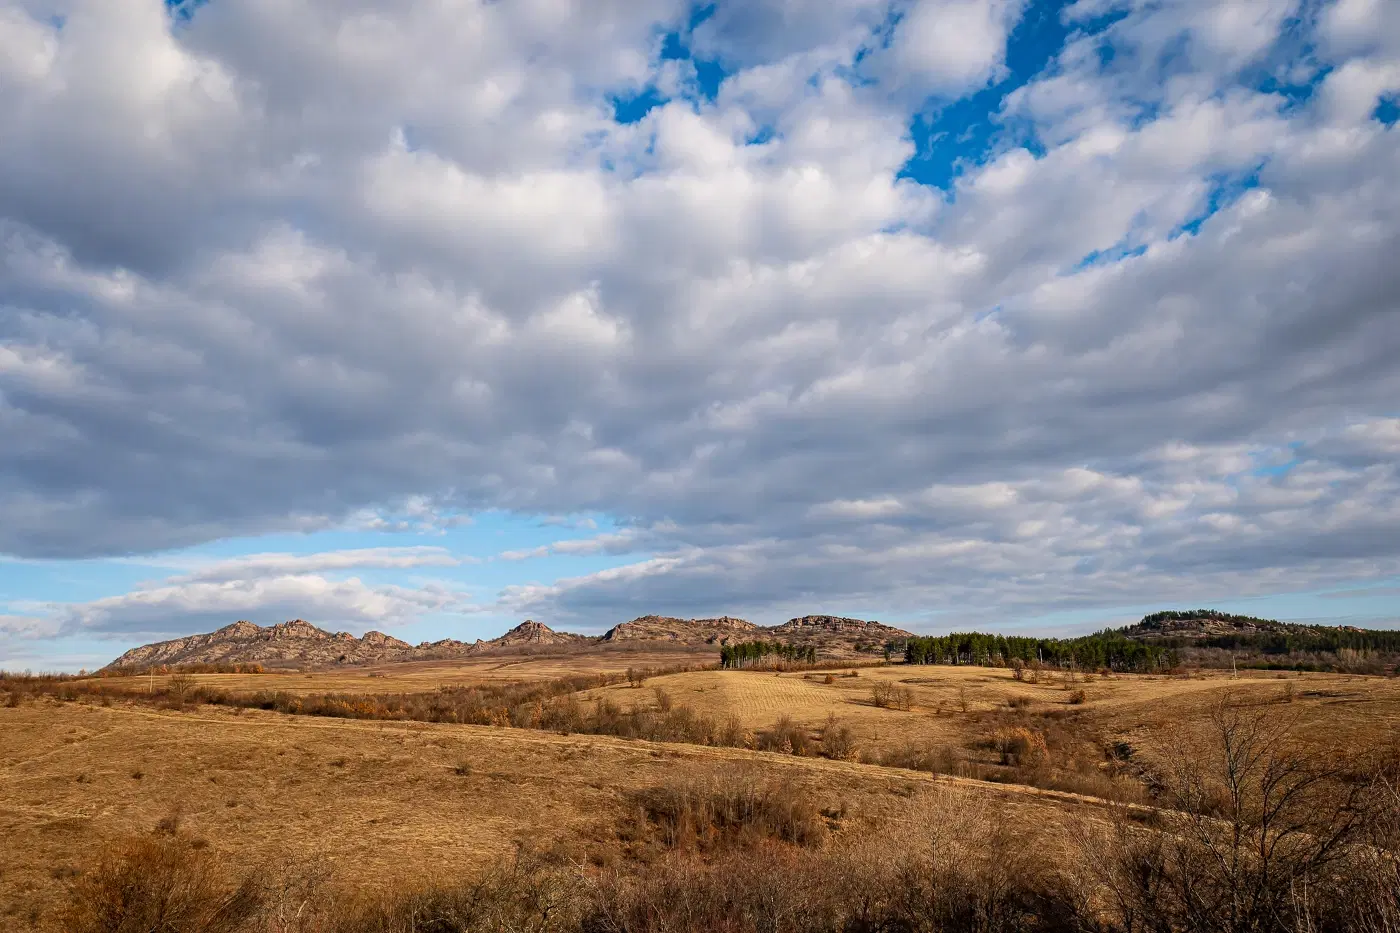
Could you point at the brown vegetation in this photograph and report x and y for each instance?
(1259, 840)
(1193, 804)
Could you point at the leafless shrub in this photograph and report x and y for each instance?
(726, 809)
(785, 736)
(922, 756)
(180, 688)
(838, 741)
(888, 695)
(159, 884)
(1260, 834)
(1021, 747)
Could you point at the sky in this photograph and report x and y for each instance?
(429, 316)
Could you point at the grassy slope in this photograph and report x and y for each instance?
(380, 800)
(375, 801)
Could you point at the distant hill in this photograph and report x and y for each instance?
(828, 631)
(683, 631)
(1175, 638)
(300, 644)
(531, 632)
(1205, 623)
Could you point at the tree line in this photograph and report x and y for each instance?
(1107, 649)
(748, 653)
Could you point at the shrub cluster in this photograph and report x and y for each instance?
(888, 695)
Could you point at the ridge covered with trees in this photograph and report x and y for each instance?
(1168, 639)
(1108, 649)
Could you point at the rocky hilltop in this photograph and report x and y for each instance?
(297, 641)
(830, 629)
(300, 644)
(683, 631)
(1203, 624)
(531, 632)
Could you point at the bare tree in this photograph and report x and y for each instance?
(1256, 833)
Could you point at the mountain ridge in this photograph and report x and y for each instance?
(299, 643)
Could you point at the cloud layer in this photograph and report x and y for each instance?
(285, 266)
(268, 587)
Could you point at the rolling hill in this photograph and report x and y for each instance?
(300, 644)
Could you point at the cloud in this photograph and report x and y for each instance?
(184, 606)
(259, 565)
(946, 46)
(294, 268)
(1204, 522)
(625, 542)
(260, 587)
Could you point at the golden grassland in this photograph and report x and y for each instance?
(1333, 709)
(419, 676)
(377, 803)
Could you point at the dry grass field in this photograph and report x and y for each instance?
(1334, 710)
(371, 804)
(419, 676)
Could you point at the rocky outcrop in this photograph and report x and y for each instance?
(837, 636)
(297, 642)
(838, 625)
(531, 632)
(1204, 623)
(683, 631)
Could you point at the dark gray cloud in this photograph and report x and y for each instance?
(285, 266)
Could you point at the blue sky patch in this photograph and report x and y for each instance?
(951, 136)
(1387, 110)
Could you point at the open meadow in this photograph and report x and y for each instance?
(419, 676)
(371, 799)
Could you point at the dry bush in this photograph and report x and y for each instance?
(726, 809)
(160, 885)
(1020, 747)
(181, 688)
(838, 741)
(1077, 698)
(887, 695)
(925, 756)
(786, 736)
(944, 866)
(1019, 703)
(522, 896)
(1260, 834)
